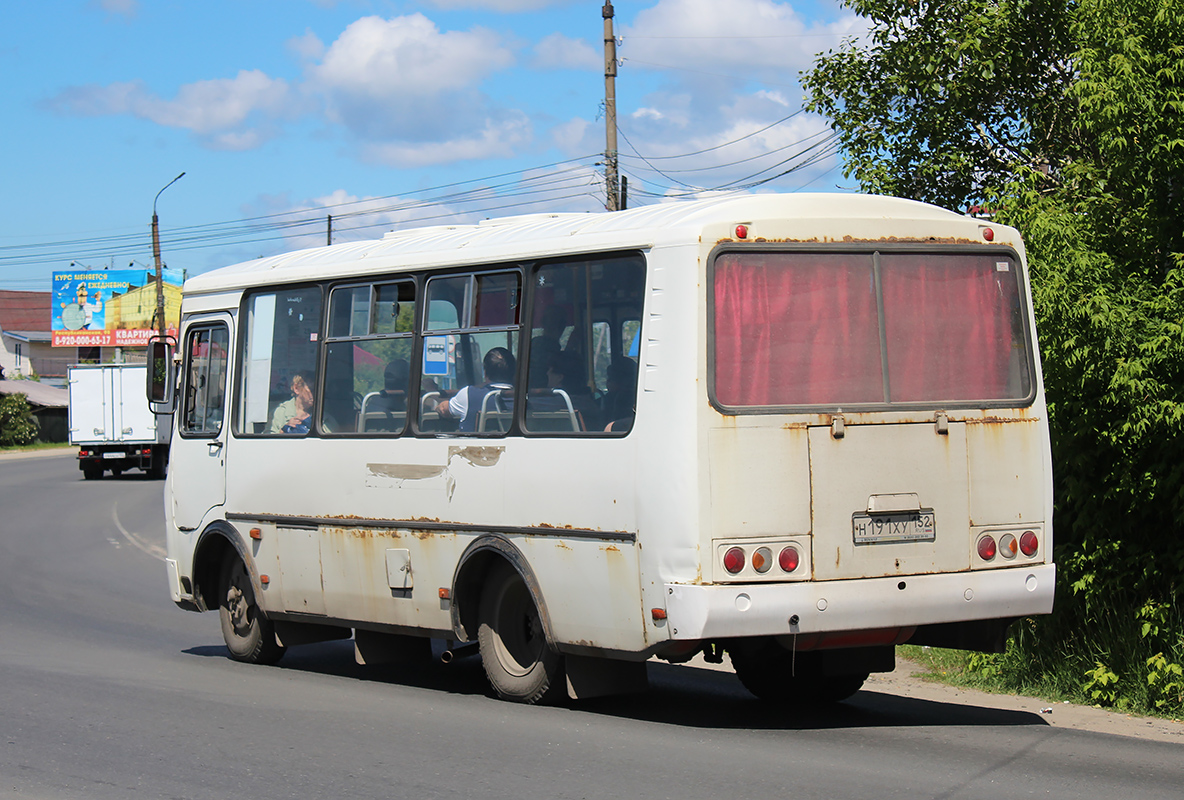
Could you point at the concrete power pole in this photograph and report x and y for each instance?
(160, 320)
(612, 190)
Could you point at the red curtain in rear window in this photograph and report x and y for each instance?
(951, 327)
(796, 329)
(802, 329)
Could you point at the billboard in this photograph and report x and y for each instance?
(111, 308)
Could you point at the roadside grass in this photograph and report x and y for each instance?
(1126, 668)
(36, 446)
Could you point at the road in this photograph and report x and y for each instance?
(108, 691)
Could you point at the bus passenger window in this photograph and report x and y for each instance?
(368, 357)
(278, 388)
(582, 377)
(470, 352)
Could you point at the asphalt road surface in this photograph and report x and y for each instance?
(109, 691)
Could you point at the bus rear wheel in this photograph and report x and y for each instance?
(249, 636)
(519, 662)
(768, 673)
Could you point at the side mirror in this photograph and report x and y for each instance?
(162, 384)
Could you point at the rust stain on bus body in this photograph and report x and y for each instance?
(855, 240)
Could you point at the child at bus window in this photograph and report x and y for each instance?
(465, 405)
(295, 415)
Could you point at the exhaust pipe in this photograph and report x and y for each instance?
(459, 651)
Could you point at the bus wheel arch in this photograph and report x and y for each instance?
(218, 542)
(497, 598)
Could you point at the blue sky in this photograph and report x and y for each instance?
(383, 114)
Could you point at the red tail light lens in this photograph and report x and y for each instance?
(1029, 544)
(986, 548)
(734, 560)
(789, 559)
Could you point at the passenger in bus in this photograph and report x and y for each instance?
(546, 345)
(395, 380)
(295, 415)
(621, 388)
(465, 405)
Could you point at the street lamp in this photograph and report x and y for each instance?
(160, 321)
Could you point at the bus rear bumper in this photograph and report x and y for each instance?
(768, 609)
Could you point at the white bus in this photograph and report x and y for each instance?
(795, 429)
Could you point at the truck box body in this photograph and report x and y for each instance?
(111, 423)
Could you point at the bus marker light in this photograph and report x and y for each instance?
(658, 614)
(988, 234)
(789, 559)
(256, 534)
(741, 231)
(445, 593)
(264, 580)
(1029, 544)
(762, 559)
(734, 560)
(986, 548)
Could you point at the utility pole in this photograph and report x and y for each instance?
(160, 321)
(329, 232)
(612, 192)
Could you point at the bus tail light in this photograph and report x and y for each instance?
(762, 560)
(1029, 543)
(734, 560)
(789, 559)
(1008, 546)
(986, 548)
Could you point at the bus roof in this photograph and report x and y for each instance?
(542, 235)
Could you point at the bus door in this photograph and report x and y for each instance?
(199, 446)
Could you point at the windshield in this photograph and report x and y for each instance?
(869, 328)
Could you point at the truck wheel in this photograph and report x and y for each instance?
(249, 636)
(519, 662)
(92, 472)
(767, 672)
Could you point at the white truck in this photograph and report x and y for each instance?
(112, 425)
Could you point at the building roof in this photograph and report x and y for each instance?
(26, 312)
(38, 394)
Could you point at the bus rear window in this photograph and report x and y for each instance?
(868, 329)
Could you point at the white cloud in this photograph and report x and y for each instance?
(562, 52)
(216, 109)
(764, 39)
(573, 138)
(127, 8)
(505, 6)
(407, 56)
(493, 140)
(307, 47)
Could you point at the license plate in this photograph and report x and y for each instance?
(897, 526)
(113, 455)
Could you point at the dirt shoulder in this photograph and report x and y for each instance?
(908, 681)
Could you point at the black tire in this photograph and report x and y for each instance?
(249, 636)
(92, 473)
(520, 663)
(768, 672)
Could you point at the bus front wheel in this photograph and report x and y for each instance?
(249, 636)
(520, 663)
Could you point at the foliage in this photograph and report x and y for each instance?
(17, 426)
(1079, 142)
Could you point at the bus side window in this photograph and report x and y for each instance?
(279, 383)
(469, 316)
(205, 385)
(368, 358)
(582, 374)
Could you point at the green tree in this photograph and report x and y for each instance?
(1066, 117)
(17, 426)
